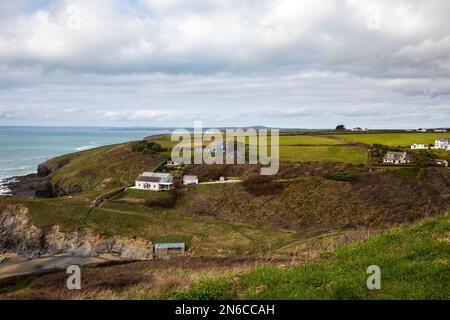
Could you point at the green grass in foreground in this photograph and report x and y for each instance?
(392, 139)
(323, 153)
(414, 264)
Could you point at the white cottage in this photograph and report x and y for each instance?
(154, 181)
(442, 143)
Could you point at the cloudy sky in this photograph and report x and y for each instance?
(285, 63)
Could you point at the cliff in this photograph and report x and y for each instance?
(19, 235)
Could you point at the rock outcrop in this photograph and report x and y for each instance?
(19, 235)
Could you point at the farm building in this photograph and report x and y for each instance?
(154, 181)
(419, 146)
(169, 250)
(396, 157)
(187, 180)
(170, 163)
(442, 143)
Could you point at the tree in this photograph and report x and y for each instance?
(340, 127)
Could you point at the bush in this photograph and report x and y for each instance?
(166, 201)
(146, 147)
(342, 176)
(261, 185)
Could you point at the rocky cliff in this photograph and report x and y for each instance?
(19, 235)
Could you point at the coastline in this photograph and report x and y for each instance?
(29, 186)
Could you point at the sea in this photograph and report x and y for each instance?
(22, 149)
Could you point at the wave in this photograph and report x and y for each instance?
(17, 168)
(26, 159)
(86, 147)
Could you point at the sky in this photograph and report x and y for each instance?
(283, 63)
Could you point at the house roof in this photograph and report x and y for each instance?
(396, 155)
(179, 245)
(148, 179)
(188, 177)
(447, 140)
(155, 177)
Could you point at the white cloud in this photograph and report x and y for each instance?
(171, 60)
(136, 115)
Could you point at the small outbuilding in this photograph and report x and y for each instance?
(441, 162)
(169, 250)
(189, 179)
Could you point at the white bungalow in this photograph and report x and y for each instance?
(187, 180)
(419, 146)
(154, 181)
(442, 143)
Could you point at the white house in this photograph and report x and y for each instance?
(442, 143)
(154, 181)
(359, 129)
(396, 157)
(187, 180)
(419, 146)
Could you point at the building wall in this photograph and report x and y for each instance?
(146, 185)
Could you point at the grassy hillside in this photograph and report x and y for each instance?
(206, 237)
(101, 168)
(314, 205)
(414, 263)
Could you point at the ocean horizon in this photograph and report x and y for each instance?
(23, 148)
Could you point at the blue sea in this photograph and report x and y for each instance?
(23, 148)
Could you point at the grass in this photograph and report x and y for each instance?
(211, 236)
(414, 264)
(103, 168)
(307, 140)
(139, 195)
(391, 139)
(323, 154)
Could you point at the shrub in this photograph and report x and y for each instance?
(259, 185)
(146, 147)
(166, 201)
(342, 176)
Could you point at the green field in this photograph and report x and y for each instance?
(391, 139)
(307, 140)
(323, 154)
(414, 263)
